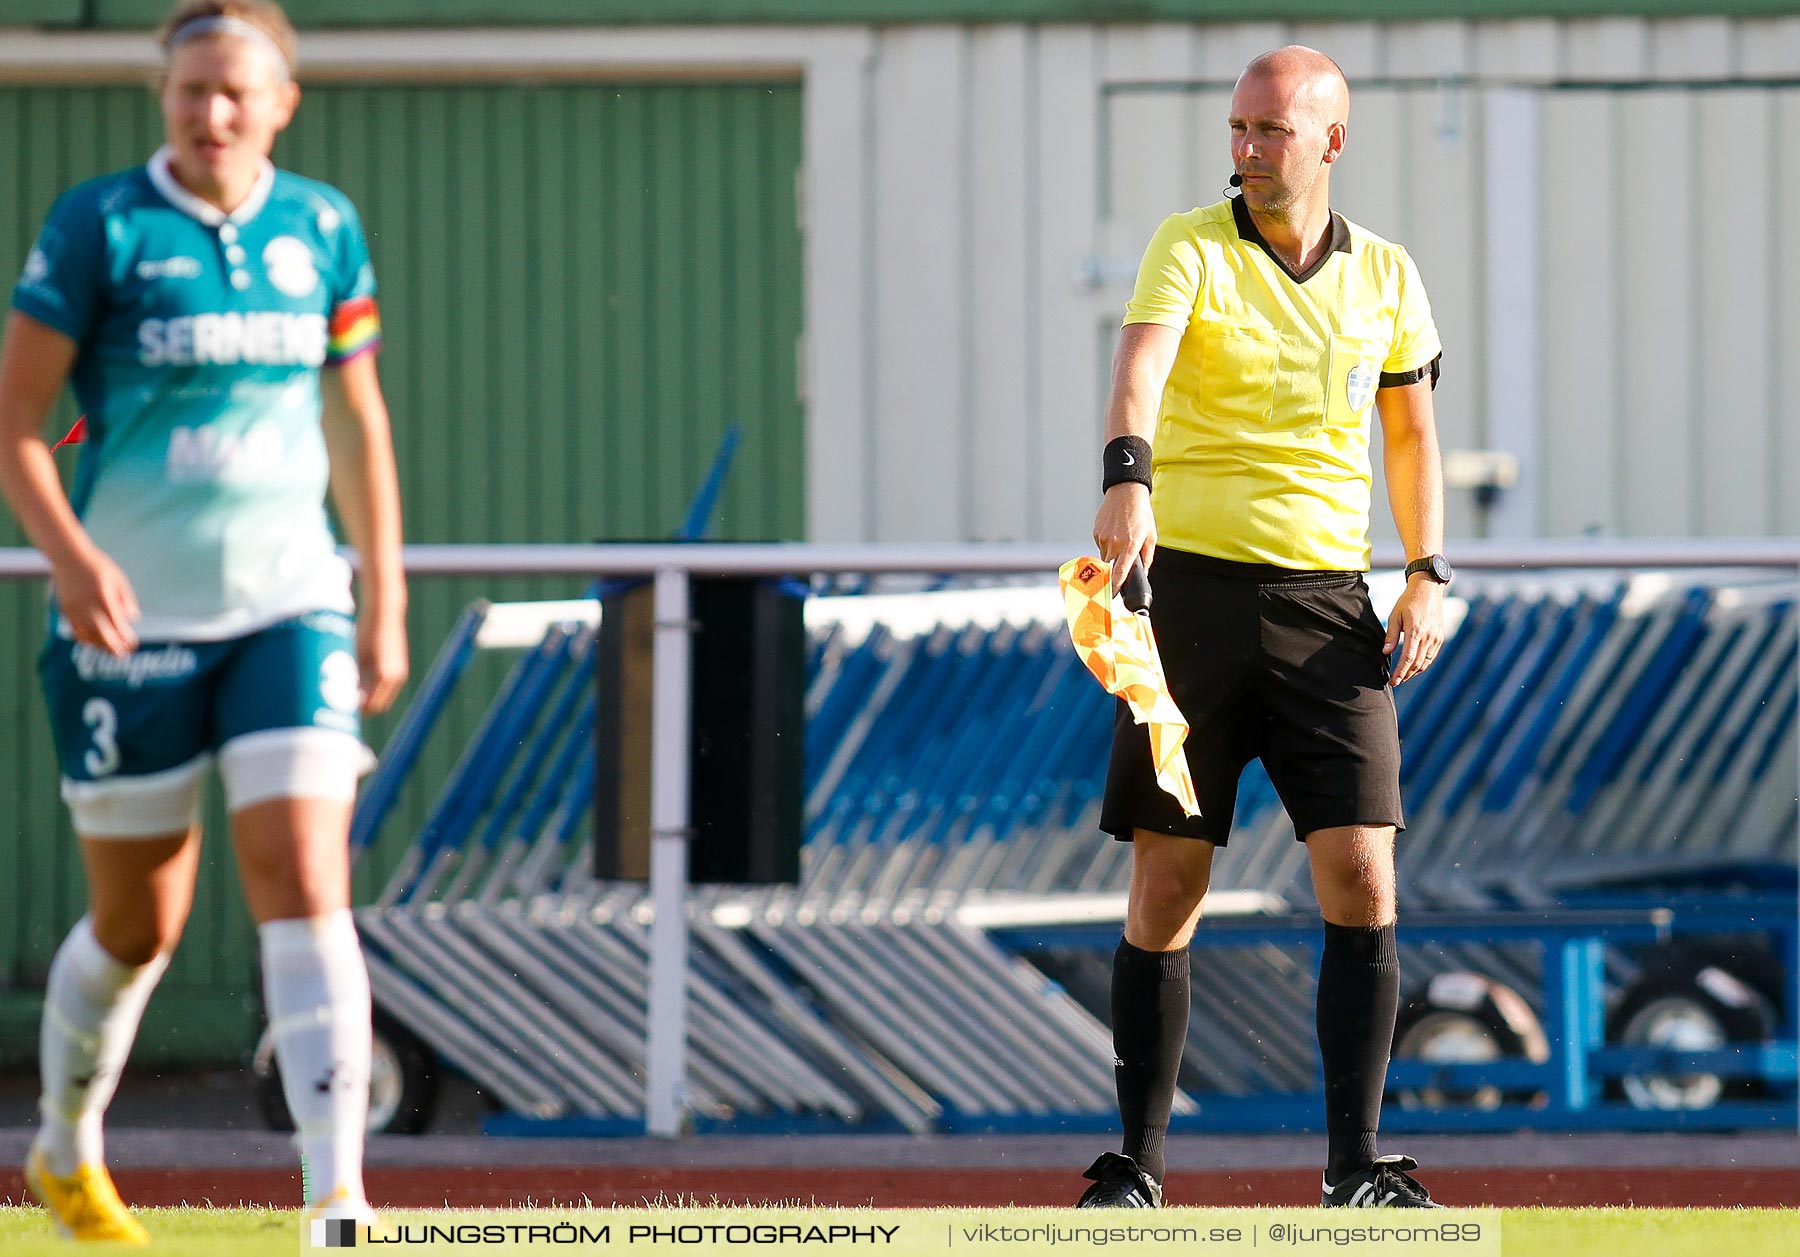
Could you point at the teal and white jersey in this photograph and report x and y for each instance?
(201, 338)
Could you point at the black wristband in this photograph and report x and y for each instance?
(1125, 461)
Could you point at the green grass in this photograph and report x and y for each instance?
(193, 1232)
(26, 1232)
(1651, 1232)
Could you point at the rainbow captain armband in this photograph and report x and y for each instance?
(355, 329)
(75, 435)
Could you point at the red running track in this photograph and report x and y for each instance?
(545, 1186)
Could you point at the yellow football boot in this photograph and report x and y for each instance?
(85, 1205)
(341, 1204)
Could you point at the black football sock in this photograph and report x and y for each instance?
(1359, 997)
(1151, 999)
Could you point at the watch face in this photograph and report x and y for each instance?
(1440, 569)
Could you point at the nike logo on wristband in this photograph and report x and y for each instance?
(1129, 460)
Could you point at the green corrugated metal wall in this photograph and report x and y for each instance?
(582, 287)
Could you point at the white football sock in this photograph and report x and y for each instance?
(316, 987)
(92, 1006)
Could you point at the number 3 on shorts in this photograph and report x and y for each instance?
(103, 719)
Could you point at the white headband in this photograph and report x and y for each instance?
(224, 25)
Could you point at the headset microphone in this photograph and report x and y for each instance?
(1237, 181)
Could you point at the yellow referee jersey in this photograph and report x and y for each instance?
(1262, 448)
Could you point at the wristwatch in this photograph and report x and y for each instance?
(1435, 566)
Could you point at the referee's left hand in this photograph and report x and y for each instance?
(1415, 629)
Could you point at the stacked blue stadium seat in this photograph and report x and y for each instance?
(1572, 730)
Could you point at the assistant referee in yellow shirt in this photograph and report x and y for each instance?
(1264, 332)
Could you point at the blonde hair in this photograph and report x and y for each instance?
(265, 15)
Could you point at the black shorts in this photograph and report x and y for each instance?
(1267, 663)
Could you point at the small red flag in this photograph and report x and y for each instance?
(76, 434)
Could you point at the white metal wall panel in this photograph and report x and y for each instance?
(1734, 356)
(1146, 173)
(924, 275)
(1581, 314)
(1069, 365)
(1667, 267)
(1015, 174)
(1519, 52)
(997, 363)
(1149, 54)
(1511, 311)
(841, 485)
(1655, 278)
(1768, 47)
(1426, 50)
(1606, 49)
(1784, 332)
(1692, 48)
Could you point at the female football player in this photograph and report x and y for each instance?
(216, 319)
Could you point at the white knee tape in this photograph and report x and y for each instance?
(150, 805)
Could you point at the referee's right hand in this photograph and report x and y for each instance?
(1125, 530)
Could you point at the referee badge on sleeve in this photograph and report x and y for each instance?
(1359, 385)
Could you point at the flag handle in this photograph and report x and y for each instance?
(1136, 590)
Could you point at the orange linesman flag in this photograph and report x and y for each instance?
(1120, 650)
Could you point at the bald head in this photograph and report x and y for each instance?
(1290, 114)
(1307, 78)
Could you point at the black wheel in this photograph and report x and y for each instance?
(1750, 959)
(402, 1082)
(1688, 1002)
(270, 1101)
(1464, 1018)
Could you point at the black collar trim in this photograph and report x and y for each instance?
(1247, 230)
